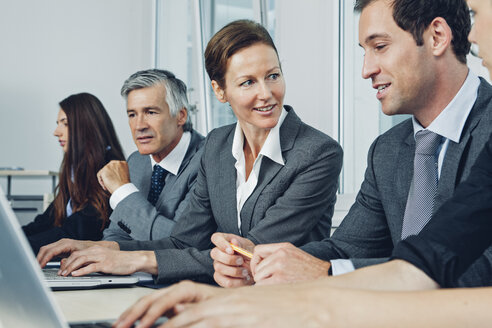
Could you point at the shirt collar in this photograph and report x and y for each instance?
(173, 160)
(451, 120)
(271, 148)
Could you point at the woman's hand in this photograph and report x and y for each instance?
(231, 270)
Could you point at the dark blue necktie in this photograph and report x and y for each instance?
(157, 183)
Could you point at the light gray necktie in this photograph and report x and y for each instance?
(423, 189)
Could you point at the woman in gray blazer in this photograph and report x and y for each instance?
(269, 177)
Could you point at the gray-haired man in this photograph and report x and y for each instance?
(151, 189)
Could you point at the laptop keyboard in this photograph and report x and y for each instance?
(102, 325)
(52, 274)
(91, 325)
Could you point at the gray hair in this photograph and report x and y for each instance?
(176, 97)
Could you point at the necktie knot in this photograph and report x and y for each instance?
(158, 173)
(157, 183)
(427, 142)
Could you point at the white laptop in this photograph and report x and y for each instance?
(25, 299)
(57, 282)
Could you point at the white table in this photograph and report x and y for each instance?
(98, 304)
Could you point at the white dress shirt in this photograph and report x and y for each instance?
(449, 124)
(170, 163)
(271, 149)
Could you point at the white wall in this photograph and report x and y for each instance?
(173, 43)
(361, 110)
(53, 48)
(306, 40)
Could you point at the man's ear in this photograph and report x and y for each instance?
(182, 116)
(439, 35)
(219, 92)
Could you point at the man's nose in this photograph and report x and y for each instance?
(370, 67)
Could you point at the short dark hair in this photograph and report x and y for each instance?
(414, 16)
(230, 39)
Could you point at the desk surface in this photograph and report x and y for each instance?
(98, 304)
(30, 173)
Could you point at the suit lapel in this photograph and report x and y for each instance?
(146, 170)
(167, 190)
(269, 169)
(449, 170)
(196, 140)
(452, 161)
(226, 182)
(171, 179)
(403, 180)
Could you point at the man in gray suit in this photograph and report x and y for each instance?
(416, 60)
(157, 109)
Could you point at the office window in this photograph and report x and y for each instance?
(322, 62)
(183, 29)
(327, 92)
(214, 15)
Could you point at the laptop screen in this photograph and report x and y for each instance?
(25, 300)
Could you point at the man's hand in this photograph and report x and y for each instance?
(167, 301)
(282, 263)
(231, 270)
(265, 306)
(64, 247)
(113, 175)
(102, 259)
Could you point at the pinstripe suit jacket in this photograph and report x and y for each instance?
(373, 225)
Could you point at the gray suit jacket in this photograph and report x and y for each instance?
(291, 203)
(135, 218)
(373, 225)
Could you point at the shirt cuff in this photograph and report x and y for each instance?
(121, 193)
(341, 266)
